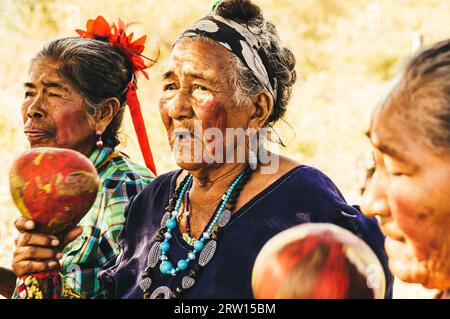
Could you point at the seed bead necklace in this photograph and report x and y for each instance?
(205, 246)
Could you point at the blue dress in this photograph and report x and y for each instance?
(302, 195)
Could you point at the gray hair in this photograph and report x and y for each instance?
(280, 59)
(427, 75)
(98, 70)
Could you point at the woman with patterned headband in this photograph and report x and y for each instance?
(196, 232)
(75, 98)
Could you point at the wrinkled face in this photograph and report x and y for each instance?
(198, 100)
(410, 192)
(54, 112)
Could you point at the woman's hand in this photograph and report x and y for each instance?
(37, 252)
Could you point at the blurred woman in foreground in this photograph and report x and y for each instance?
(410, 188)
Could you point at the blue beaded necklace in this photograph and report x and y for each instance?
(205, 248)
(166, 267)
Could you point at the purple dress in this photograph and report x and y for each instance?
(302, 195)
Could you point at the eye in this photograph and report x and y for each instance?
(200, 87)
(397, 174)
(50, 94)
(169, 87)
(29, 94)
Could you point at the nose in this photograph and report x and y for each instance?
(35, 109)
(374, 201)
(180, 106)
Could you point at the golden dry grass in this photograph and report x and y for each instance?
(346, 50)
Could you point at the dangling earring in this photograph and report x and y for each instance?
(99, 139)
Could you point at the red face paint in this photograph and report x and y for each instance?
(409, 214)
(212, 114)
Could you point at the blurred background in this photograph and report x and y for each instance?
(347, 51)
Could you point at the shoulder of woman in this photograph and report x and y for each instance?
(159, 188)
(311, 186)
(121, 172)
(311, 183)
(147, 207)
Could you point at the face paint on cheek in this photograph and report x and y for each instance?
(411, 217)
(212, 114)
(67, 136)
(73, 128)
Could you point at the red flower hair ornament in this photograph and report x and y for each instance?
(133, 50)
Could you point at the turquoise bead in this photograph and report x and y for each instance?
(171, 223)
(165, 267)
(165, 246)
(198, 245)
(182, 264)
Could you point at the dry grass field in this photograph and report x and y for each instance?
(347, 51)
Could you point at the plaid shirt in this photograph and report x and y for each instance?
(82, 259)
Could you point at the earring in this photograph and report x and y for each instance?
(252, 160)
(99, 139)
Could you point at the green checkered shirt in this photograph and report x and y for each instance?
(82, 259)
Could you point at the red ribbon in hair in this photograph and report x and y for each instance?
(138, 122)
(133, 50)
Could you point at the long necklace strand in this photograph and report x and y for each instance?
(206, 245)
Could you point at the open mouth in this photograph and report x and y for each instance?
(182, 136)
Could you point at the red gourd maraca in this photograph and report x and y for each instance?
(54, 187)
(317, 261)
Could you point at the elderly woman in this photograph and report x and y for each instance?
(196, 232)
(75, 98)
(410, 189)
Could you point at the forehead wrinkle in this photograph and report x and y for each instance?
(47, 74)
(386, 135)
(189, 70)
(55, 85)
(202, 58)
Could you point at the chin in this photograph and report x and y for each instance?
(36, 144)
(190, 166)
(185, 160)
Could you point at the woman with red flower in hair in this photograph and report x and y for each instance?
(75, 98)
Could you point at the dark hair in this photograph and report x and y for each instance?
(97, 69)
(281, 59)
(427, 74)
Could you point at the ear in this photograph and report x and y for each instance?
(106, 112)
(262, 106)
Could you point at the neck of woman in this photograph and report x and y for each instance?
(215, 179)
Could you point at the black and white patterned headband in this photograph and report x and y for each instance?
(240, 41)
